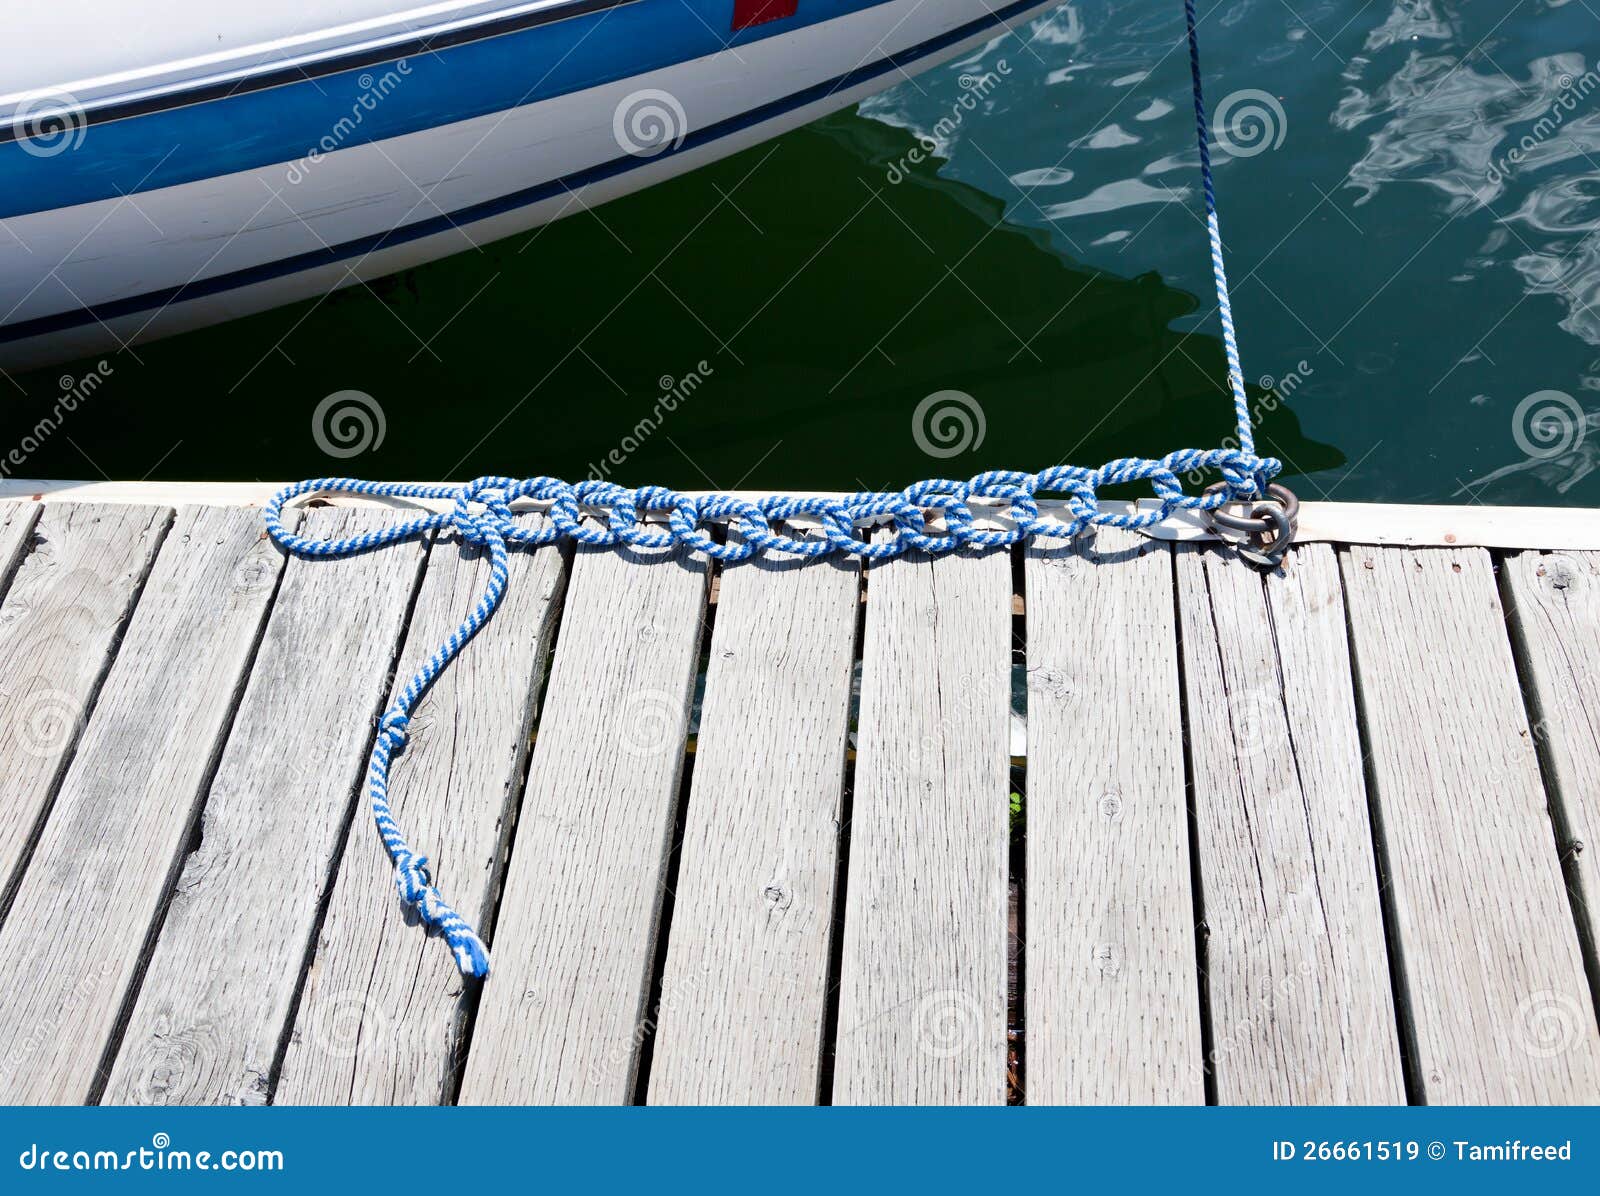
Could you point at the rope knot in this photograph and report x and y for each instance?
(393, 729)
(493, 523)
(414, 881)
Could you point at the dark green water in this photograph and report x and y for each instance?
(1411, 283)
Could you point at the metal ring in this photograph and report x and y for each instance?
(1257, 523)
(1268, 552)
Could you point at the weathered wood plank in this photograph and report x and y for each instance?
(1300, 991)
(16, 528)
(58, 629)
(563, 1012)
(1555, 613)
(1113, 991)
(384, 1007)
(216, 995)
(104, 865)
(1484, 929)
(744, 991)
(922, 1003)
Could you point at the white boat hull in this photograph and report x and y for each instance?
(91, 277)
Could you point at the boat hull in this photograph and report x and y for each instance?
(147, 261)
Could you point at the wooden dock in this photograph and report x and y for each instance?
(741, 835)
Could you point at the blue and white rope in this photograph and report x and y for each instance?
(1219, 272)
(602, 514)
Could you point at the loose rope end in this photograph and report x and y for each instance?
(415, 884)
(472, 957)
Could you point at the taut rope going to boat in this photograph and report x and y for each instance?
(481, 514)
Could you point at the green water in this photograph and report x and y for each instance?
(1408, 283)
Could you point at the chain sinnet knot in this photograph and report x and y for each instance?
(936, 516)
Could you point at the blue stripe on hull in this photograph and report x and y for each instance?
(461, 217)
(283, 124)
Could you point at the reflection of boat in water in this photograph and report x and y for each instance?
(250, 156)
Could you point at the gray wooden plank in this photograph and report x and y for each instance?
(1485, 933)
(384, 1007)
(217, 991)
(563, 1011)
(16, 527)
(1555, 612)
(1300, 992)
(1113, 990)
(744, 990)
(75, 937)
(58, 630)
(922, 1002)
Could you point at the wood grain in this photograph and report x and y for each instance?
(16, 529)
(1555, 614)
(75, 938)
(922, 1003)
(1485, 932)
(59, 623)
(384, 1007)
(563, 1012)
(744, 992)
(1113, 990)
(218, 989)
(1300, 991)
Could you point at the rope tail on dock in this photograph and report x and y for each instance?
(598, 513)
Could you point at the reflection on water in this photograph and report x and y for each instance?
(1410, 200)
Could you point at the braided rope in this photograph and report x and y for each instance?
(1219, 272)
(602, 514)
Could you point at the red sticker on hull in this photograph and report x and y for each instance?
(758, 12)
